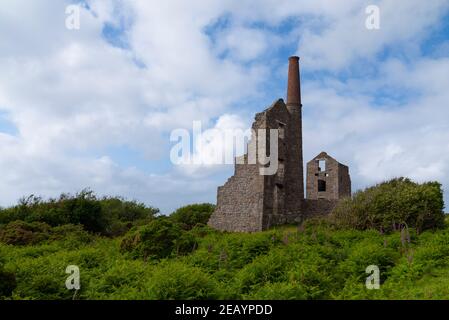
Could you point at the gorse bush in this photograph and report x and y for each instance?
(155, 241)
(29, 233)
(165, 236)
(122, 215)
(107, 216)
(80, 209)
(24, 233)
(192, 215)
(392, 205)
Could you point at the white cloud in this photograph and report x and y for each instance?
(402, 23)
(385, 141)
(72, 95)
(216, 146)
(245, 44)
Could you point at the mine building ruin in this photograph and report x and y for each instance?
(327, 178)
(250, 201)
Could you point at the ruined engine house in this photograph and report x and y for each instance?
(250, 201)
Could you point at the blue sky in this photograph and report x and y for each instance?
(95, 107)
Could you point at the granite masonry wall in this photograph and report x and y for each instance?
(330, 182)
(250, 201)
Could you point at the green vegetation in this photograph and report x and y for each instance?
(127, 251)
(106, 216)
(390, 205)
(193, 215)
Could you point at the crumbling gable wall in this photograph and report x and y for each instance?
(250, 201)
(240, 201)
(328, 181)
(327, 178)
(277, 187)
(344, 185)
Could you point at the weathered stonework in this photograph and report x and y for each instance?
(250, 201)
(330, 182)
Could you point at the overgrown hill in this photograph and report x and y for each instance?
(311, 262)
(178, 257)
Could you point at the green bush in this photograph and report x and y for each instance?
(73, 236)
(391, 205)
(30, 233)
(24, 233)
(366, 253)
(7, 283)
(313, 272)
(156, 240)
(122, 279)
(83, 209)
(122, 215)
(107, 216)
(192, 215)
(267, 268)
(177, 281)
(186, 243)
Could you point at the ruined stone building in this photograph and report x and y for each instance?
(250, 201)
(327, 178)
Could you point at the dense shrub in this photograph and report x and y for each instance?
(107, 216)
(392, 205)
(175, 280)
(264, 269)
(123, 278)
(228, 252)
(24, 233)
(7, 283)
(122, 214)
(185, 243)
(367, 253)
(31, 233)
(155, 240)
(192, 215)
(80, 209)
(73, 236)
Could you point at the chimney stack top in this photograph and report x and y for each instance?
(293, 83)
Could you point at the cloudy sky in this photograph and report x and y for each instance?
(95, 107)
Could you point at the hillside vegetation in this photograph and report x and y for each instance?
(126, 250)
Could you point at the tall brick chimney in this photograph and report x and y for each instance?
(293, 84)
(294, 165)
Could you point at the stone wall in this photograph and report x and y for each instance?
(344, 188)
(250, 201)
(334, 177)
(318, 207)
(240, 201)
